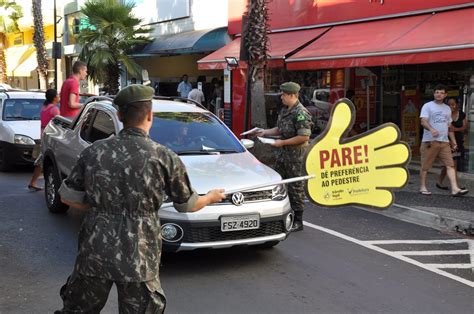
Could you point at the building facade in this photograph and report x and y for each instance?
(386, 56)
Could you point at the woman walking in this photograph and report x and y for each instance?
(48, 111)
(458, 126)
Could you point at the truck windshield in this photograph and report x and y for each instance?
(193, 133)
(22, 109)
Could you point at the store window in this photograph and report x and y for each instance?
(321, 89)
(407, 87)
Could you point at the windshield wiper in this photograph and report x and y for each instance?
(18, 118)
(198, 152)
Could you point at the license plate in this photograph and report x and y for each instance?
(234, 223)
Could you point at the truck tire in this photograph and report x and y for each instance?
(4, 165)
(52, 181)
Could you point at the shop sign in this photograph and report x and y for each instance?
(361, 170)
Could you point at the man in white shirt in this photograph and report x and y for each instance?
(435, 118)
(196, 95)
(184, 87)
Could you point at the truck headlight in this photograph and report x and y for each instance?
(279, 192)
(23, 140)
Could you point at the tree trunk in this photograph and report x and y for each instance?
(39, 42)
(3, 62)
(112, 82)
(259, 116)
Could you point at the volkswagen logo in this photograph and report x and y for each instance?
(238, 198)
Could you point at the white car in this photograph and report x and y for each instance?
(214, 158)
(19, 126)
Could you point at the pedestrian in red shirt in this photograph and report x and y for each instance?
(48, 111)
(70, 105)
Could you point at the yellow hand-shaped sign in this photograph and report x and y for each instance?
(357, 170)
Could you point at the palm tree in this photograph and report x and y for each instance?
(112, 32)
(10, 14)
(255, 46)
(38, 39)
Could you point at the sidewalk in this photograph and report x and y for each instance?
(439, 211)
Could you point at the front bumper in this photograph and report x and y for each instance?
(199, 235)
(18, 154)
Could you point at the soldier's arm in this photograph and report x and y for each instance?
(303, 125)
(269, 132)
(81, 206)
(72, 189)
(295, 140)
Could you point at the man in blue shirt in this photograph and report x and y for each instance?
(184, 87)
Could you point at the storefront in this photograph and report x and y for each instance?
(384, 56)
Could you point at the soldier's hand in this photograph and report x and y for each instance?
(358, 170)
(278, 143)
(260, 133)
(216, 195)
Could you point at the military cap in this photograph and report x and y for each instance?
(133, 93)
(290, 88)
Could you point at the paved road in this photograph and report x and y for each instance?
(346, 260)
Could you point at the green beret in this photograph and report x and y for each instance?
(290, 88)
(133, 93)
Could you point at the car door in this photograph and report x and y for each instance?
(75, 141)
(102, 127)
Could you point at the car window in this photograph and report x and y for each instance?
(86, 125)
(103, 127)
(22, 109)
(193, 133)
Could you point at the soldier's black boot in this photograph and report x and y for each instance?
(298, 222)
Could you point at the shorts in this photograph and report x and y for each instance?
(430, 150)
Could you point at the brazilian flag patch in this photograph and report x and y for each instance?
(300, 117)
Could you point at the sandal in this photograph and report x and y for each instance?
(460, 193)
(34, 188)
(425, 193)
(441, 187)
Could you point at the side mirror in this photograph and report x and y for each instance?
(247, 143)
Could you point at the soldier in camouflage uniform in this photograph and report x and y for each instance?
(294, 125)
(121, 183)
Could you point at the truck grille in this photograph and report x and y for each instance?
(254, 196)
(214, 233)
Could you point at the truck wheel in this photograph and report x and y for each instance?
(4, 165)
(51, 188)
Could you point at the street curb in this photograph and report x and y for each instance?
(421, 217)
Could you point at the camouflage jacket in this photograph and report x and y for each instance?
(294, 121)
(125, 179)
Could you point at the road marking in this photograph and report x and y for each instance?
(369, 245)
(432, 253)
(447, 241)
(452, 266)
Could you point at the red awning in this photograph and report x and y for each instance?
(441, 37)
(279, 44)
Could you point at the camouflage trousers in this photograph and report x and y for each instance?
(84, 294)
(289, 164)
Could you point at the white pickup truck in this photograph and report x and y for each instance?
(214, 158)
(19, 126)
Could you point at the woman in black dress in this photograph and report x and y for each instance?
(458, 126)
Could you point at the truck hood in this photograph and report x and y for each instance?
(31, 128)
(227, 171)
